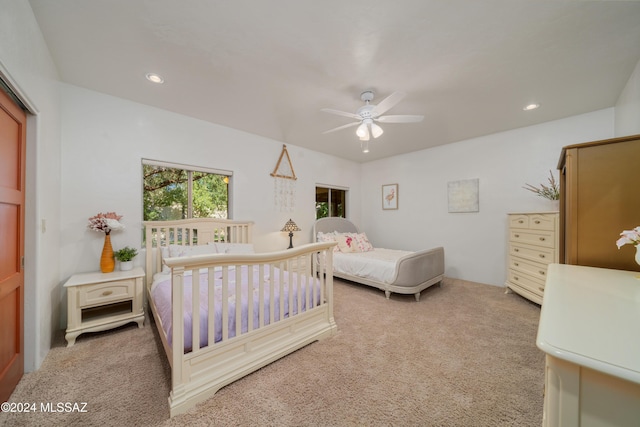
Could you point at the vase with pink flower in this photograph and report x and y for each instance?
(631, 237)
(106, 223)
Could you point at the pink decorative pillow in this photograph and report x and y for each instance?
(363, 242)
(346, 243)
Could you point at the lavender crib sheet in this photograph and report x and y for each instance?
(272, 276)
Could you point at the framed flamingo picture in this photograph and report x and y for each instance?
(390, 196)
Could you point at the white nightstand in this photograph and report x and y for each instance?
(101, 301)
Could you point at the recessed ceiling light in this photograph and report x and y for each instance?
(531, 107)
(155, 78)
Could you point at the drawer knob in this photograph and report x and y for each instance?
(541, 289)
(107, 293)
(516, 235)
(520, 222)
(542, 239)
(542, 272)
(516, 277)
(516, 250)
(516, 264)
(542, 256)
(537, 221)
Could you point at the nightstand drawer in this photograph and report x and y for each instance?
(106, 292)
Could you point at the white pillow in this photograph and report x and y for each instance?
(235, 248)
(164, 253)
(328, 237)
(177, 251)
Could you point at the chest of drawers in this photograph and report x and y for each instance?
(533, 245)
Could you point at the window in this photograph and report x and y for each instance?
(172, 191)
(331, 202)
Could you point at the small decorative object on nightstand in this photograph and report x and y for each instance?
(290, 226)
(125, 256)
(101, 301)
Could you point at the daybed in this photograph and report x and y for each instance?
(284, 303)
(402, 272)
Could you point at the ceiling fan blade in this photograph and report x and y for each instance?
(387, 103)
(341, 113)
(405, 118)
(341, 127)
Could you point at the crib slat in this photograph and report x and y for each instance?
(238, 300)
(250, 299)
(195, 310)
(283, 274)
(261, 294)
(291, 288)
(272, 285)
(211, 313)
(225, 303)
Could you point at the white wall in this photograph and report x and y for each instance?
(474, 243)
(628, 106)
(105, 138)
(26, 64)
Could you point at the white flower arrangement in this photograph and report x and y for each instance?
(629, 237)
(105, 223)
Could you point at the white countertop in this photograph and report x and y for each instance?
(591, 317)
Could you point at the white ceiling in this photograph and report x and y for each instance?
(268, 67)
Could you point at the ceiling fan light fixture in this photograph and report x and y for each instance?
(363, 131)
(376, 130)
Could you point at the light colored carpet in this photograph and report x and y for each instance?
(464, 355)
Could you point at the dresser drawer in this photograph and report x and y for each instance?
(525, 292)
(542, 222)
(538, 238)
(533, 253)
(526, 281)
(103, 293)
(518, 221)
(534, 269)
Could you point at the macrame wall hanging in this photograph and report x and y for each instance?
(284, 183)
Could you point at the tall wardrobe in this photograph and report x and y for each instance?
(599, 197)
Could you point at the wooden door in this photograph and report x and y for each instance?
(12, 195)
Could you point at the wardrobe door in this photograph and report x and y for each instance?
(601, 200)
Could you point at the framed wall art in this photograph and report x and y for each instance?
(390, 196)
(463, 195)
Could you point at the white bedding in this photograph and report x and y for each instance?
(378, 264)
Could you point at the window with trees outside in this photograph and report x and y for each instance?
(172, 191)
(331, 202)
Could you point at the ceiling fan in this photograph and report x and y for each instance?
(369, 114)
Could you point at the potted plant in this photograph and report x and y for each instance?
(125, 256)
